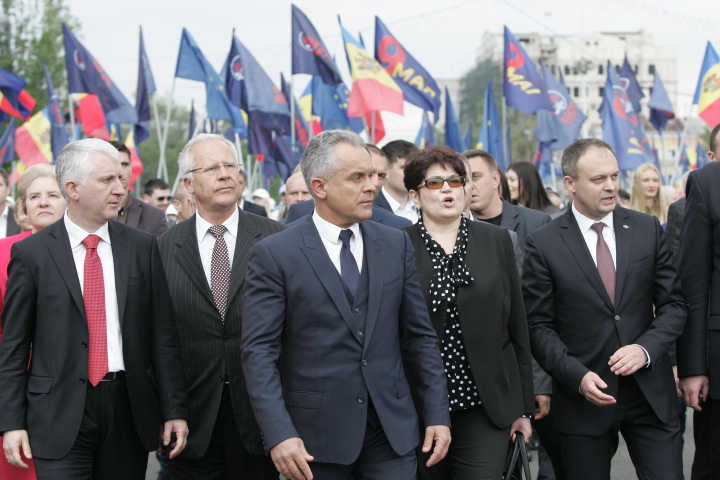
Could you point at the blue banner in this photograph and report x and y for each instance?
(661, 109)
(309, 54)
(559, 127)
(7, 143)
(426, 136)
(490, 138)
(522, 86)
(58, 132)
(145, 87)
(453, 135)
(631, 85)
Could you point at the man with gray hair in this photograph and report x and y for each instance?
(332, 303)
(90, 297)
(205, 258)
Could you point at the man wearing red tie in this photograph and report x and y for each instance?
(90, 296)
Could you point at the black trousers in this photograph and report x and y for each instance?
(477, 451)
(226, 457)
(655, 447)
(550, 440)
(702, 434)
(107, 446)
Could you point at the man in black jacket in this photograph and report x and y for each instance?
(604, 305)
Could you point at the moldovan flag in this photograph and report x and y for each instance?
(707, 94)
(91, 115)
(373, 89)
(14, 99)
(32, 139)
(135, 162)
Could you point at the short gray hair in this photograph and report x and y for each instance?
(185, 159)
(75, 161)
(320, 160)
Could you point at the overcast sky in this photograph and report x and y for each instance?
(443, 36)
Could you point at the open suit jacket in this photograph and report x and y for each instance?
(44, 307)
(574, 327)
(145, 217)
(209, 346)
(492, 319)
(297, 320)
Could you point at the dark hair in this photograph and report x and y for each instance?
(713, 138)
(155, 184)
(622, 193)
(504, 186)
(5, 176)
(375, 149)
(120, 147)
(419, 162)
(572, 153)
(532, 191)
(398, 149)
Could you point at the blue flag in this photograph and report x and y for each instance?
(193, 122)
(7, 143)
(417, 85)
(426, 135)
(302, 131)
(522, 86)
(661, 109)
(283, 154)
(702, 158)
(145, 88)
(490, 138)
(309, 54)
(684, 161)
(453, 135)
(621, 126)
(85, 75)
(58, 132)
(467, 137)
(631, 85)
(330, 103)
(559, 127)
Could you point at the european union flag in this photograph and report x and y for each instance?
(145, 88)
(58, 132)
(522, 86)
(467, 136)
(490, 138)
(309, 54)
(702, 158)
(302, 132)
(661, 109)
(415, 82)
(453, 135)
(631, 85)
(330, 103)
(7, 143)
(426, 135)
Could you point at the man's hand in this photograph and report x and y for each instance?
(440, 434)
(291, 459)
(590, 387)
(13, 440)
(694, 388)
(628, 360)
(523, 426)
(179, 426)
(677, 382)
(543, 409)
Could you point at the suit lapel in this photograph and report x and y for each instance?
(188, 257)
(121, 250)
(62, 255)
(134, 213)
(623, 248)
(573, 238)
(373, 250)
(247, 235)
(510, 216)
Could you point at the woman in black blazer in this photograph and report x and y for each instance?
(468, 275)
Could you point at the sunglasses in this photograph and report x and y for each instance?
(437, 183)
(162, 199)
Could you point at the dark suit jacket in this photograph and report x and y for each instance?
(522, 220)
(44, 308)
(698, 349)
(574, 328)
(381, 201)
(258, 210)
(145, 217)
(674, 225)
(492, 318)
(209, 347)
(298, 210)
(297, 320)
(12, 227)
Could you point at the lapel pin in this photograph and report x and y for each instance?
(627, 227)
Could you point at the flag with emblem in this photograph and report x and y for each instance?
(14, 100)
(707, 93)
(522, 86)
(32, 139)
(309, 54)
(559, 127)
(631, 85)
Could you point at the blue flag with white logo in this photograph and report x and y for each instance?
(631, 85)
(7, 143)
(490, 138)
(145, 88)
(453, 135)
(661, 109)
(522, 86)
(58, 132)
(426, 136)
(559, 127)
(309, 54)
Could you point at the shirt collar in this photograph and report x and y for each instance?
(77, 234)
(331, 232)
(6, 210)
(586, 223)
(394, 204)
(202, 225)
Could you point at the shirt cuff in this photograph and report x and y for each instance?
(647, 364)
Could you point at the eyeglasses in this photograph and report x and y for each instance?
(437, 183)
(162, 199)
(213, 169)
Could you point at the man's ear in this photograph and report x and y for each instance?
(319, 186)
(71, 187)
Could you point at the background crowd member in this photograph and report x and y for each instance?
(134, 212)
(334, 304)
(8, 224)
(477, 262)
(393, 196)
(157, 193)
(296, 192)
(247, 205)
(70, 288)
(623, 198)
(262, 198)
(669, 194)
(527, 189)
(21, 217)
(205, 258)
(380, 163)
(184, 203)
(604, 305)
(646, 196)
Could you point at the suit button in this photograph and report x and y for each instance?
(361, 399)
(360, 333)
(84, 344)
(364, 362)
(221, 378)
(82, 380)
(357, 310)
(617, 318)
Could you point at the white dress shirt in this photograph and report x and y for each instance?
(408, 210)
(330, 235)
(3, 221)
(112, 315)
(206, 240)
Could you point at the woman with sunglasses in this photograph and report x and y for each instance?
(470, 281)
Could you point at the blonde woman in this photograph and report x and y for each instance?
(646, 196)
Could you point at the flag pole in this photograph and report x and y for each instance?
(662, 146)
(373, 128)
(239, 146)
(71, 110)
(158, 126)
(162, 166)
(14, 165)
(292, 111)
(504, 130)
(678, 152)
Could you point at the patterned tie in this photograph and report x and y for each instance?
(220, 269)
(348, 265)
(605, 262)
(94, 300)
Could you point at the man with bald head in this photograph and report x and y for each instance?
(184, 203)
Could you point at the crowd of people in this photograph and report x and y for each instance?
(402, 313)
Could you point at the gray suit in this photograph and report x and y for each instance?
(12, 227)
(522, 220)
(145, 217)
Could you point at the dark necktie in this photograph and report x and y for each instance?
(94, 300)
(605, 262)
(220, 269)
(348, 265)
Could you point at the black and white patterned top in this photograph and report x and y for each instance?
(450, 272)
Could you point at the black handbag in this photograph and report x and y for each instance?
(517, 453)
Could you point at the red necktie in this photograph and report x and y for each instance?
(605, 264)
(94, 299)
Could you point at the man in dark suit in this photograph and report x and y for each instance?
(133, 212)
(205, 258)
(8, 225)
(332, 303)
(392, 194)
(90, 297)
(299, 211)
(246, 205)
(604, 305)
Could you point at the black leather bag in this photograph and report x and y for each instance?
(517, 453)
